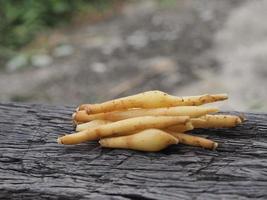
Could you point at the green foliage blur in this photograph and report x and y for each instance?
(20, 20)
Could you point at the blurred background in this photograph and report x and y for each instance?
(66, 52)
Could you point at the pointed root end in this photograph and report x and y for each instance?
(215, 145)
(59, 141)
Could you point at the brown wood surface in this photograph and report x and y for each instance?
(34, 166)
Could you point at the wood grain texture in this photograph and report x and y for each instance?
(34, 166)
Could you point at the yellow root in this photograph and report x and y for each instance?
(122, 127)
(195, 141)
(150, 140)
(191, 111)
(216, 121)
(151, 99)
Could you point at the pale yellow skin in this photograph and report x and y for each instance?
(150, 99)
(191, 111)
(95, 123)
(194, 140)
(91, 124)
(150, 140)
(216, 121)
(181, 127)
(122, 127)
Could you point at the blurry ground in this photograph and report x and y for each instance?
(185, 48)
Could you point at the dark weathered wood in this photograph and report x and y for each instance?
(34, 166)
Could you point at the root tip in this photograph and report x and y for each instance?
(75, 123)
(215, 146)
(73, 119)
(101, 142)
(242, 118)
(59, 141)
(239, 120)
(222, 97)
(74, 114)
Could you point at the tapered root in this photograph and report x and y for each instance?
(195, 141)
(191, 111)
(122, 127)
(151, 99)
(150, 140)
(216, 121)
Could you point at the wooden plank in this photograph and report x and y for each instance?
(34, 166)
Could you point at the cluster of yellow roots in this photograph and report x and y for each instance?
(149, 121)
